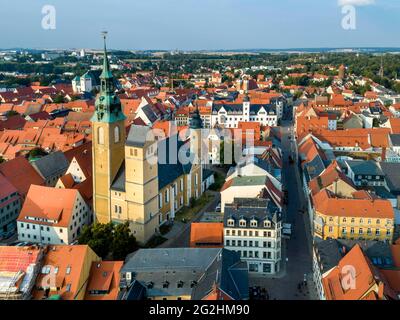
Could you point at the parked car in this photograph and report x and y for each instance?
(218, 207)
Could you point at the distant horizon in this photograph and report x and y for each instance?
(317, 49)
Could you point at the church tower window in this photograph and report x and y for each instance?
(116, 134)
(100, 133)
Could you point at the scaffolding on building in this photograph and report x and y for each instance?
(19, 268)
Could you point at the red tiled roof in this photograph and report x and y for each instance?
(49, 203)
(14, 259)
(66, 258)
(13, 123)
(104, 277)
(326, 204)
(21, 174)
(330, 175)
(206, 234)
(363, 277)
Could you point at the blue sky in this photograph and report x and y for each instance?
(199, 24)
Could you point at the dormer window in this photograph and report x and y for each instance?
(242, 223)
(267, 224)
(231, 222)
(253, 223)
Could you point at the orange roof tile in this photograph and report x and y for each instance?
(52, 204)
(227, 185)
(345, 138)
(395, 248)
(69, 261)
(206, 234)
(330, 175)
(393, 278)
(6, 188)
(363, 277)
(104, 280)
(67, 180)
(21, 174)
(395, 125)
(14, 259)
(83, 156)
(310, 149)
(326, 204)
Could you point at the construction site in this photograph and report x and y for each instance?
(19, 268)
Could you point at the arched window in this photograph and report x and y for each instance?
(100, 133)
(116, 134)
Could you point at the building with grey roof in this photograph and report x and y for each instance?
(395, 140)
(139, 136)
(365, 173)
(185, 273)
(51, 167)
(252, 227)
(392, 176)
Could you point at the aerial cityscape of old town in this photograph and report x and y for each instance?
(198, 174)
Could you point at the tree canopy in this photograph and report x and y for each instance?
(109, 240)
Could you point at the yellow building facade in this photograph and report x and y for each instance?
(129, 182)
(355, 228)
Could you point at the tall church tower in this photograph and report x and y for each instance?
(196, 143)
(108, 141)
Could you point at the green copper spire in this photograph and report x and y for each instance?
(108, 105)
(106, 74)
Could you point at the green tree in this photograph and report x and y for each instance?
(123, 242)
(74, 98)
(192, 202)
(109, 240)
(11, 113)
(59, 99)
(99, 237)
(35, 153)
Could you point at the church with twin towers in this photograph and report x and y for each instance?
(130, 184)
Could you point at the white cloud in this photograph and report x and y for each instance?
(356, 2)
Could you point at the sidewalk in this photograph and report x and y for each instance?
(176, 229)
(181, 231)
